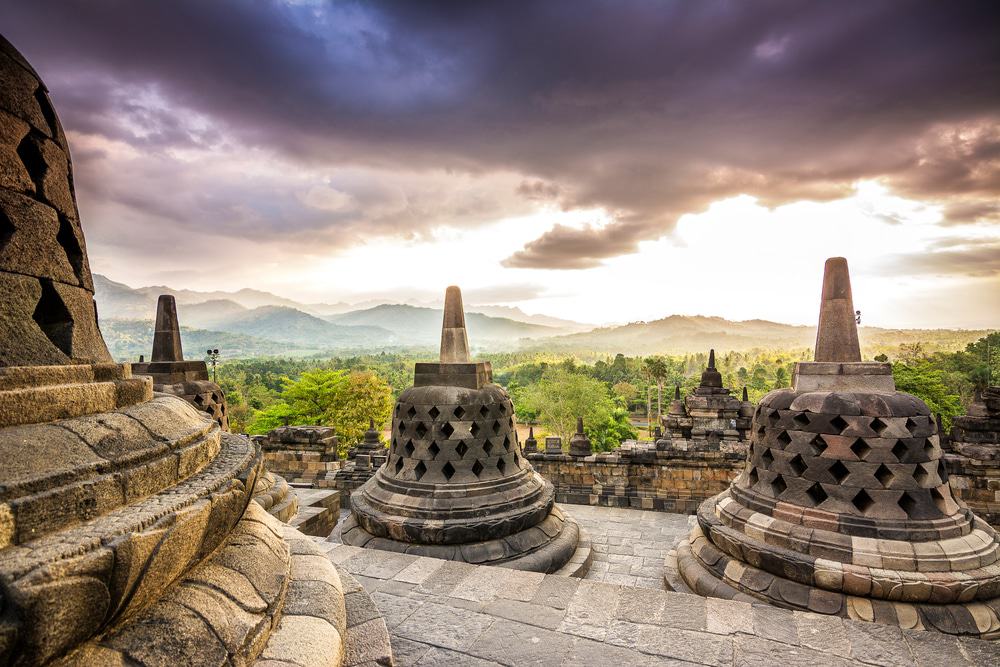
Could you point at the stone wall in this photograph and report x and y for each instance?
(674, 481)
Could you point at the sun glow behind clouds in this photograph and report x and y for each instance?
(737, 259)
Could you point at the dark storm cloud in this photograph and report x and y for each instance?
(647, 109)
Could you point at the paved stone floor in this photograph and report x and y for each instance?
(445, 613)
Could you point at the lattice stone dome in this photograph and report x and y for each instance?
(456, 484)
(844, 507)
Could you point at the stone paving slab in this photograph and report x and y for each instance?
(444, 613)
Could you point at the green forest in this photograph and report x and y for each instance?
(551, 391)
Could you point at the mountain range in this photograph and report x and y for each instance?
(249, 323)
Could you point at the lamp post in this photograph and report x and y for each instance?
(213, 357)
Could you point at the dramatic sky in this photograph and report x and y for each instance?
(599, 160)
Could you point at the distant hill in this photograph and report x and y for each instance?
(127, 339)
(683, 334)
(289, 325)
(518, 315)
(422, 326)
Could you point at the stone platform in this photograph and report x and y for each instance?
(451, 613)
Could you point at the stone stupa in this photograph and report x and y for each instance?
(127, 535)
(456, 484)
(172, 375)
(844, 507)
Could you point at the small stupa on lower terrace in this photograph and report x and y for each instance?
(456, 484)
(844, 507)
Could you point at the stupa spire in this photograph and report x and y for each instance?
(454, 339)
(711, 359)
(837, 333)
(167, 334)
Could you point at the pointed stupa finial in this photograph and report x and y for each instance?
(711, 359)
(677, 392)
(531, 431)
(167, 332)
(746, 395)
(837, 333)
(454, 339)
(579, 425)
(710, 377)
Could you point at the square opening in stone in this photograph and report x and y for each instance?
(778, 486)
(942, 472)
(412, 412)
(862, 501)
(899, 450)
(483, 411)
(878, 425)
(753, 478)
(784, 438)
(420, 430)
(911, 425)
(861, 448)
(766, 459)
(802, 419)
(797, 465)
(399, 466)
(817, 494)
(459, 412)
(908, 504)
(839, 423)
(501, 465)
(408, 448)
(818, 445)
(488, 447)
(884, 475)
(921, 475)
(839, 471)
(474, 429)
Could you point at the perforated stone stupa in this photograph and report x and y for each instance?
(844, 507)
(456, 484)
(172, 375)
(125, 531)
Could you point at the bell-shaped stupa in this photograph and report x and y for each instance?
(456, 484)
(844, 507)
(127, 535)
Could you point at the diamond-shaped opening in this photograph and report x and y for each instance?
(778, 486)
(447, 429)
(477, 468)
(448, 470)
(6, 230)
(911, 425)
(459, 412)
(928, 446)
(861, 448)
(434, 449)
(474, 429)
(503, 409)
(501, 465)
(483, 411)
(839, 471)
(938, 499)
(839, 423)
(761, 429)
(767, 459)
(921, 475)
(488, 447)
(399, 466)
(884, 475)
(412, 412)
(942, 472)
(878, 425)
(818, 445)
(802, 419)
(753, 477)
(461, 448)
(408, 448)
(908, 504)
(862, 501)
(393, 447)
(434, 412)
(419, 470)
(396, 411)
(53, 318)
(899, 450)
(199, 399)
(784, 438)
(420, 430)
(797, 465)
(816, 493)
(506, 442)
(517, 460)
(774, 416)
(496, 426)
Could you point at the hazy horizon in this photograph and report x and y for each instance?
(603, 162)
